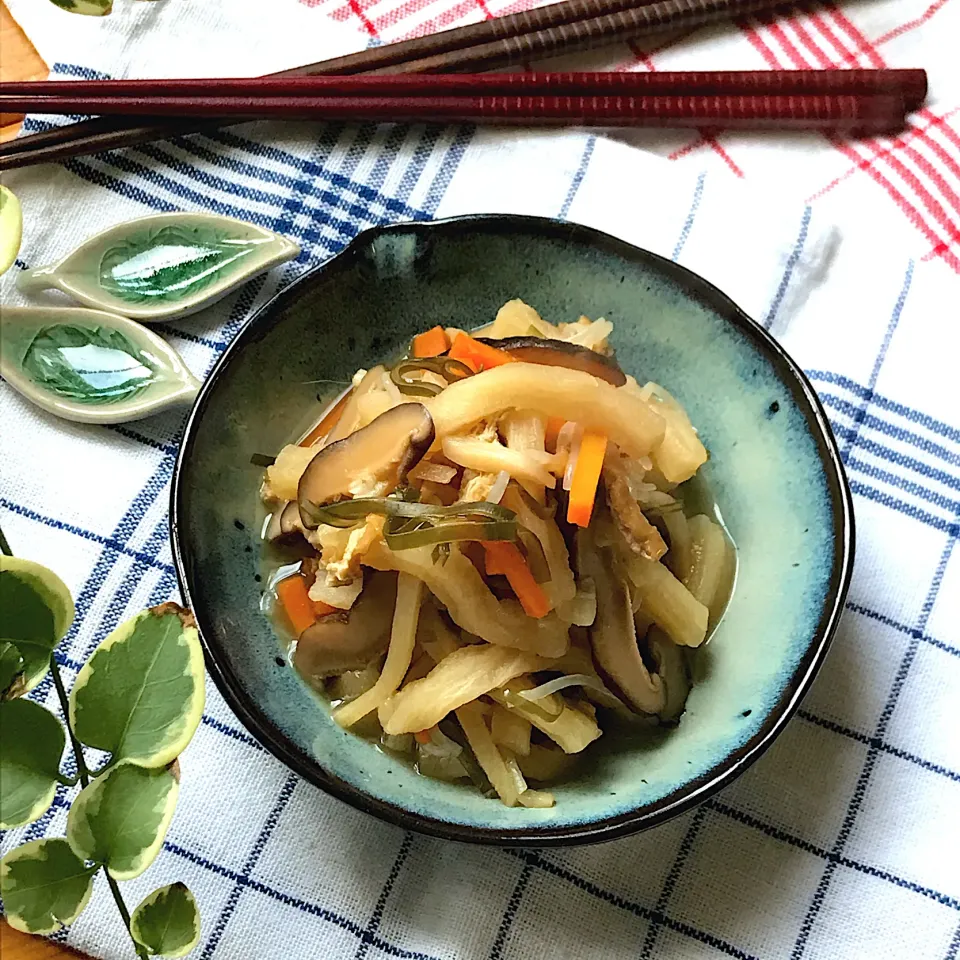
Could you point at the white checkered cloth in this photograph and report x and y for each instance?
(841, 843)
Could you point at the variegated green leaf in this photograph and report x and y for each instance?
(44, 886)
(140, 696)
(89, 8)
(37, 612)
(31, 744)
(167, 922)
(11, 227)
(121, 818)
(11, 670)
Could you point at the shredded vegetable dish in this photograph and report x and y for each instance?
(491, 555)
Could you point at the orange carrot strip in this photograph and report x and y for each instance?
(423, 736)
(321, 609)
(328, 422)
(507, 556)
(297, 605)
(492, 565)
(586, 475)
(431, 344)
(554, 426)
(478, 356)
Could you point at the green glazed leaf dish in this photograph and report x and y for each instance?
(162, 266)
(773, 469)
(91, 366)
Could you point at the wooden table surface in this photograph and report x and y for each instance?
(18, 946)
(20, 61)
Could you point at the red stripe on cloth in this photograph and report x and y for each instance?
(707, 139)
(863, 45)
(643, 58)
(341, 14)
(776, 31)
(345, 11)
(758, 43)
(486, 10)
(940, 125)
(445, 18)
(836, 181)
(820, 57)
(902, 144)
(943, 251)
(515, 7)
(380, 24)
(749, 28)
(358, 12)
(943, 126)
(453, 17)
(936, 177)
(935, 122)
(714, 144)
(693, 145)
(914, 215)
(927, 200)
(910, 24)
(826, 31)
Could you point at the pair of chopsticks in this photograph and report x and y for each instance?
(559, 28)
(861, 100)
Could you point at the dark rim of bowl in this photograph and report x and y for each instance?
(683, 798)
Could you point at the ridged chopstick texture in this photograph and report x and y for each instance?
(867, 113)
(909, 84)
(563, 27)
(557, 28)
(860, 100)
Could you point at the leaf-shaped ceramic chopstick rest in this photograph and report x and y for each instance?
(90, 366)
(167, 265)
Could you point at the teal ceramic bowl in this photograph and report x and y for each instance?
(774, 470)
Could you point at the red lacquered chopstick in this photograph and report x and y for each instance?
(909, 84)
(744, 112)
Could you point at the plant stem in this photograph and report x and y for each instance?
(124, 913)
(83, 773)
(109, 765)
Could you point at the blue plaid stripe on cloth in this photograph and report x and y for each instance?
(841, 843)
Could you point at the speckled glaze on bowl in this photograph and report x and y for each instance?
(774, 469)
